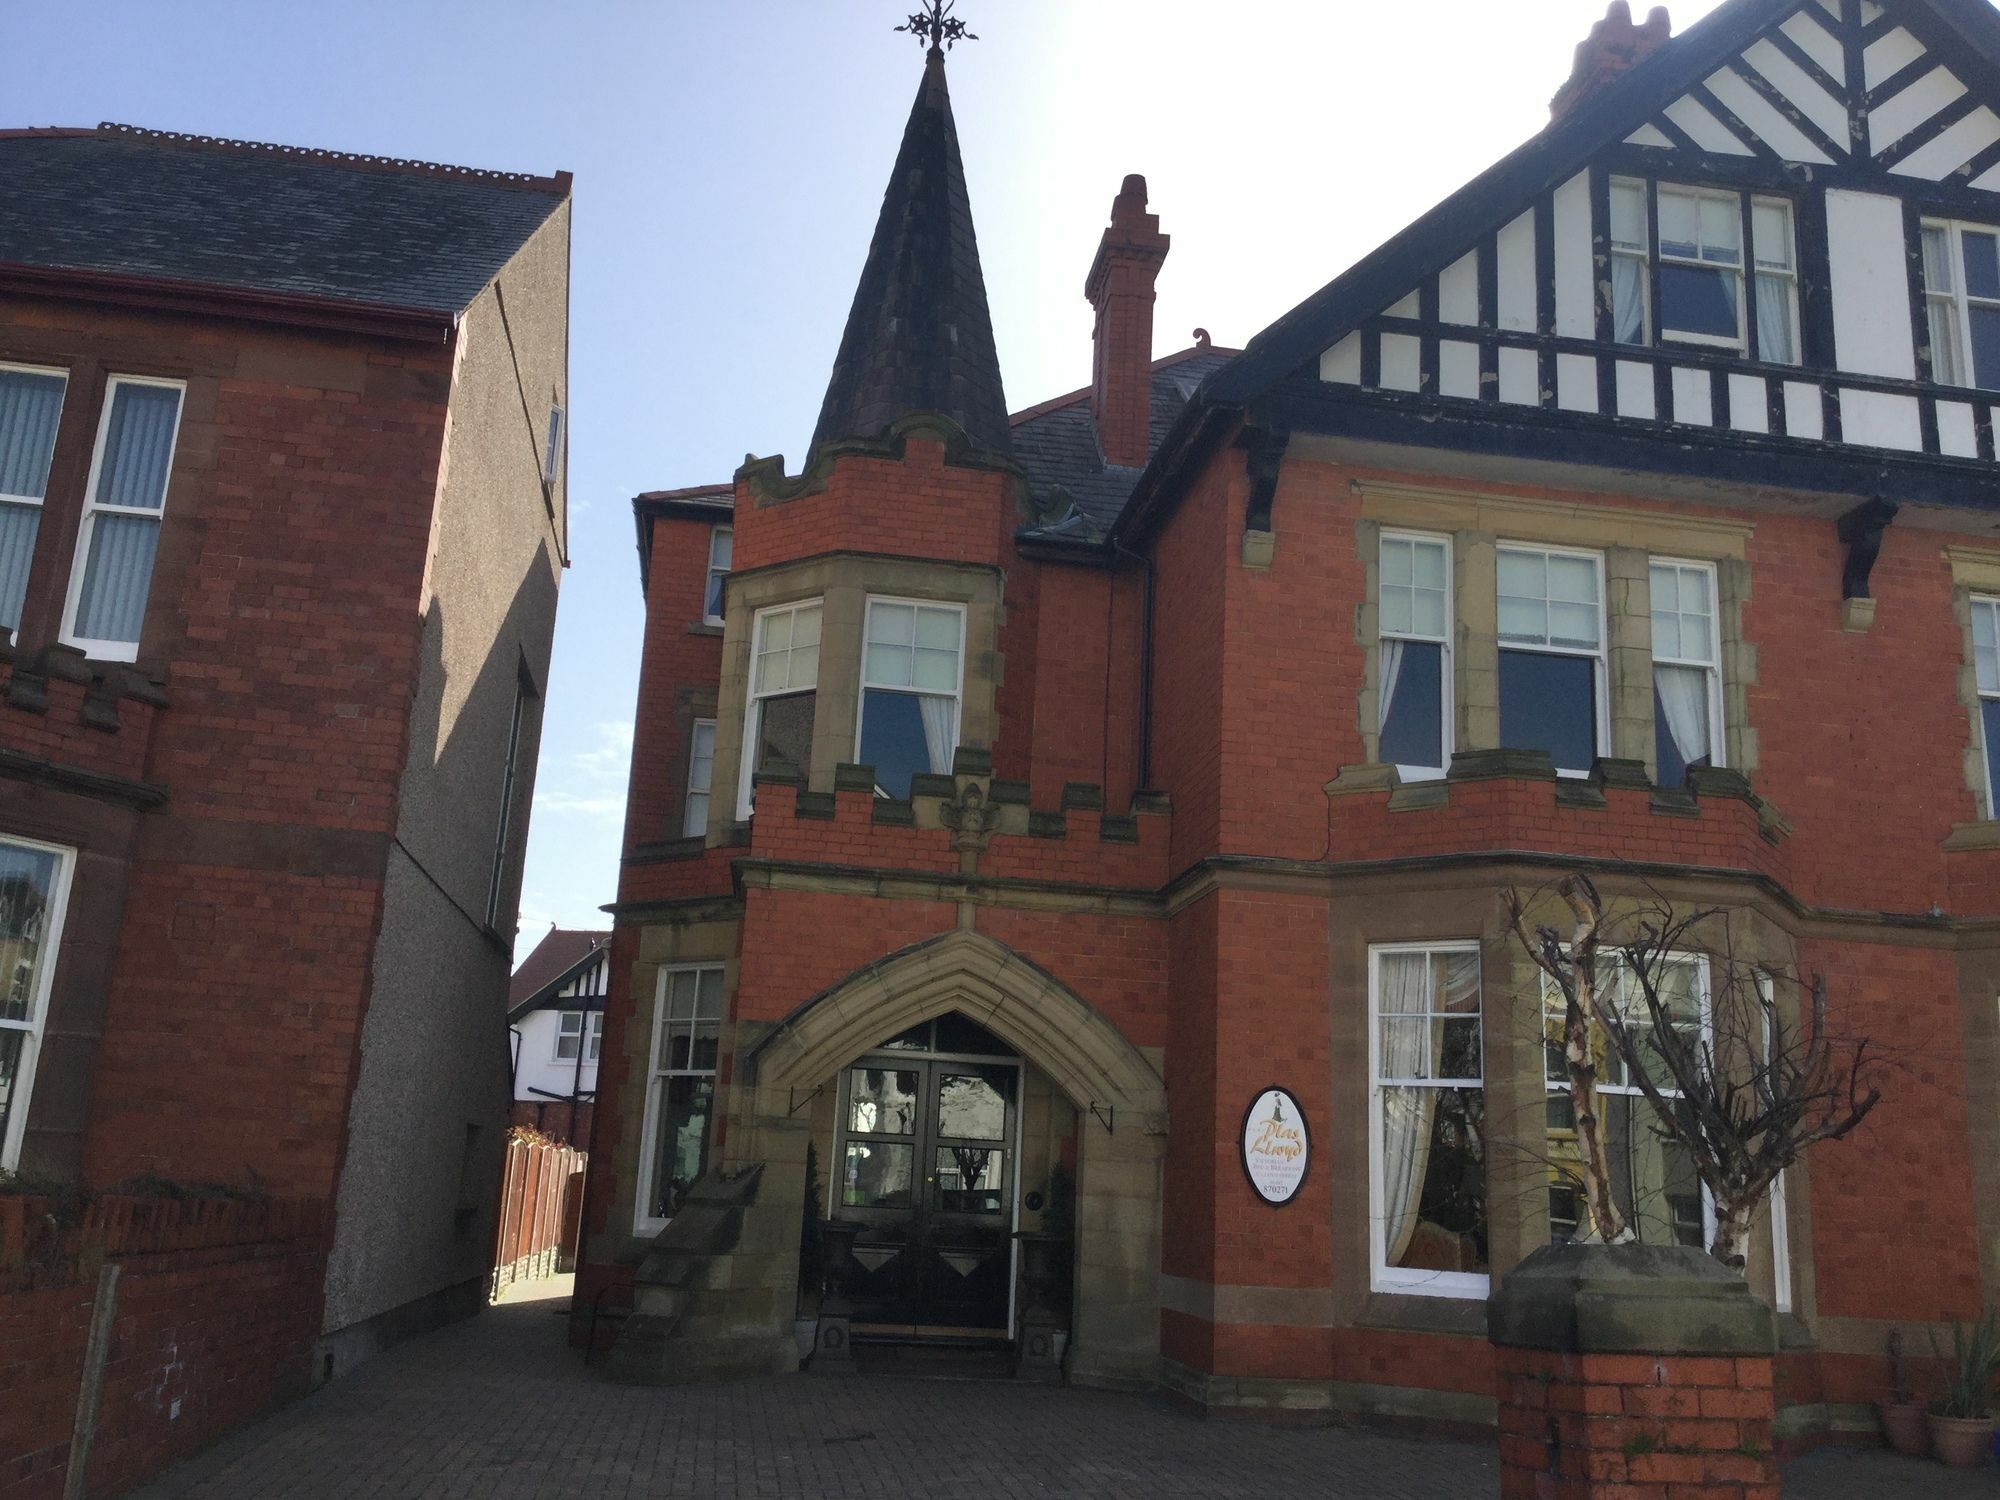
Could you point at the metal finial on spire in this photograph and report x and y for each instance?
(937, 26)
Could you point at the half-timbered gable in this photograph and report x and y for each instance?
(1776, 239)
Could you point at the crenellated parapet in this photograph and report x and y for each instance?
(80, 724)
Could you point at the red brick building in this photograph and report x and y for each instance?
(281, 526)
(1039, 792)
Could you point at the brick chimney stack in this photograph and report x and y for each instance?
(1120, 288)
(1614, 47)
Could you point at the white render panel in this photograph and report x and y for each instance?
(1576, 307)
(1749, 411)
(1755, 111)
(540, 1068)
(1988, 181)
(1520, 377)
(1635, 391)
(1899, 115)
(1342, 363)
(1402, 362)
(1805, 417)
(1458, 291)
(1694, 399)
(1458, 369)
(1957, 435)
(1889, 56)
(1864, 233)
(1704, 129)
(1576, 382)
(1407, 307)
(1814, 102)
(1876, 420)
(1816, 42)
(1648, 135)
(1516, 252)
(1956, 146)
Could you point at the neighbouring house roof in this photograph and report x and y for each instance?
(124, 202)
(557, 958)
(919, 337)
(1057, 444)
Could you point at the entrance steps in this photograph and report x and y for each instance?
(704, 1298)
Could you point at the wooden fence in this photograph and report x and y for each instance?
(541, 1208)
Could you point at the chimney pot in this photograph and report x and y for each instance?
(1614, 47)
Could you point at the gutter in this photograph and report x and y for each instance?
(292, 309)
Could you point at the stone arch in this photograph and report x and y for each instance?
(1118, 1093)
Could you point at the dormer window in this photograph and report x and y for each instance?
(1689, 282)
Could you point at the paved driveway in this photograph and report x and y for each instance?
(498, 1407)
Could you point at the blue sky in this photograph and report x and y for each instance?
(730, 158)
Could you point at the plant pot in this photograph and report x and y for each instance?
(1904, 1427)
(1961, 1442)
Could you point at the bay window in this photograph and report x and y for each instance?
(1986, 672)
(1691, 282)
(701, 775)
(1427, 1123)
(1653, 1181)
(784, 694)
(1687, 683)
(1550, 609)
(124, 500)
(910, 680)
(680, 1097)
(34, 889)
(1961, 272)
(1413, 663)
(30, 407)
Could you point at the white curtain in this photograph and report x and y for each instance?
(938, 731)
(1407, 1051)
(1774, 319)
(1684, 699)
(1628, 299)
(1392, 670)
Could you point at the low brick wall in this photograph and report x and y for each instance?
(213, 1316)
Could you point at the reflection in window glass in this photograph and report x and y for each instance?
(878, 1174)
(29, 917)
(688, 1020)
(970, 1178)
(972, 1107)
(881, 1101)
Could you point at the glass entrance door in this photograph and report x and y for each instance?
(926, 1167)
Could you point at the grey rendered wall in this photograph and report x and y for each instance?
(414, 1226)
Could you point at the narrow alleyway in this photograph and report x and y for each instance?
(499, 1409)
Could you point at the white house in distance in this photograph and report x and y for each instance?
(555, 1021)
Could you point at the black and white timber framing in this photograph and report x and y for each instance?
(1487, 326)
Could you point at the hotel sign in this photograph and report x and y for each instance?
(1276, 1147)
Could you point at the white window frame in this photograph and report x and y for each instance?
(1958, 297)
(86, 527)
(715, 534)
(1382, 1276)
(589, 1033)
(552, 448)
(1601, 678)
(691, 826)
(1781, 1229)
(656, 1076)
(503, 833)
(1985, 694)
(38, 1002)
(754, 700)
(1743, 205)
(37, 503)
(958, 687)
(1712, 668)
(1448, 730)
(1553, 1087)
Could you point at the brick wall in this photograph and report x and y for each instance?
(217, 1307)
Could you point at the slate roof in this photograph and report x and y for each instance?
(1056, 443)
(274, 219)
(919, 336)
(561, 951)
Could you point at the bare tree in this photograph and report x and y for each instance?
(1744, 1096)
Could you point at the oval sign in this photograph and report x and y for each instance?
(1276, 1146)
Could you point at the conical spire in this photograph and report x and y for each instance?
(919, 337)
